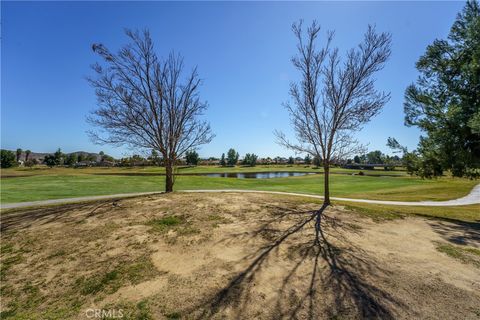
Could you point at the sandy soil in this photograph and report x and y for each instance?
(233, 256)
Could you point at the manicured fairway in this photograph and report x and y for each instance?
(67, 183)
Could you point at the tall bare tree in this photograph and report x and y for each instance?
(146, 103)
(335, 96)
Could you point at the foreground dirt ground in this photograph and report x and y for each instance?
(234, 256)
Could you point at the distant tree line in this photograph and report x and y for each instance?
(192, 158)
(11, 159)
(75, 159)
(375, 157)
(233, 157)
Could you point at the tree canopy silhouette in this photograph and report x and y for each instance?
(335, 97)
(145, 102)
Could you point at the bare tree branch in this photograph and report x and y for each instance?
(335, 97)
(145, 102)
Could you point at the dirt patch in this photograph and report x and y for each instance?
(232, 255)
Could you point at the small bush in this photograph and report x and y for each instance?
(361, 173)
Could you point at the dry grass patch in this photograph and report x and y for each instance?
(464, 254)
(225, 256)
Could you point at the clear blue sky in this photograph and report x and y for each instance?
(242, 50)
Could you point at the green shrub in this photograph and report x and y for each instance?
(7, 159)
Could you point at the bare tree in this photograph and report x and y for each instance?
(146, 103)
(335, 96)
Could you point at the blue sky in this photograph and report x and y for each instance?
(242, 50)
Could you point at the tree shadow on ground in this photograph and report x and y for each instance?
(24, 218)
(336, 278)
(456, 231)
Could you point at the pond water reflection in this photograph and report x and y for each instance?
(257, 175)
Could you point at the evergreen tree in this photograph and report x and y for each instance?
(59, 157)
(250, 159)
(71, 159)
(222, 160)
(232, 157)
(155, 158)
(375, 157)
(7, 158)
(50, 160)
(445, 101)
(308, 159)
(192, 157)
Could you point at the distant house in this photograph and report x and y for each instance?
(281, 160)
(299, 160)
(209, 162)
(368, 166)
(83, 164)
(105, 163)
(267, 160)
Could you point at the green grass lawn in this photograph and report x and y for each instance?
(57, 183)
(470, 213)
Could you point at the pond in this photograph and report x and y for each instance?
(257, 175)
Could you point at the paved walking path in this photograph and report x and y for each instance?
(472, 198)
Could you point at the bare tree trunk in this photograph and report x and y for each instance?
(168, 176)
(326, 191)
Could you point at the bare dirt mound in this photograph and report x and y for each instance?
(235, 256)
